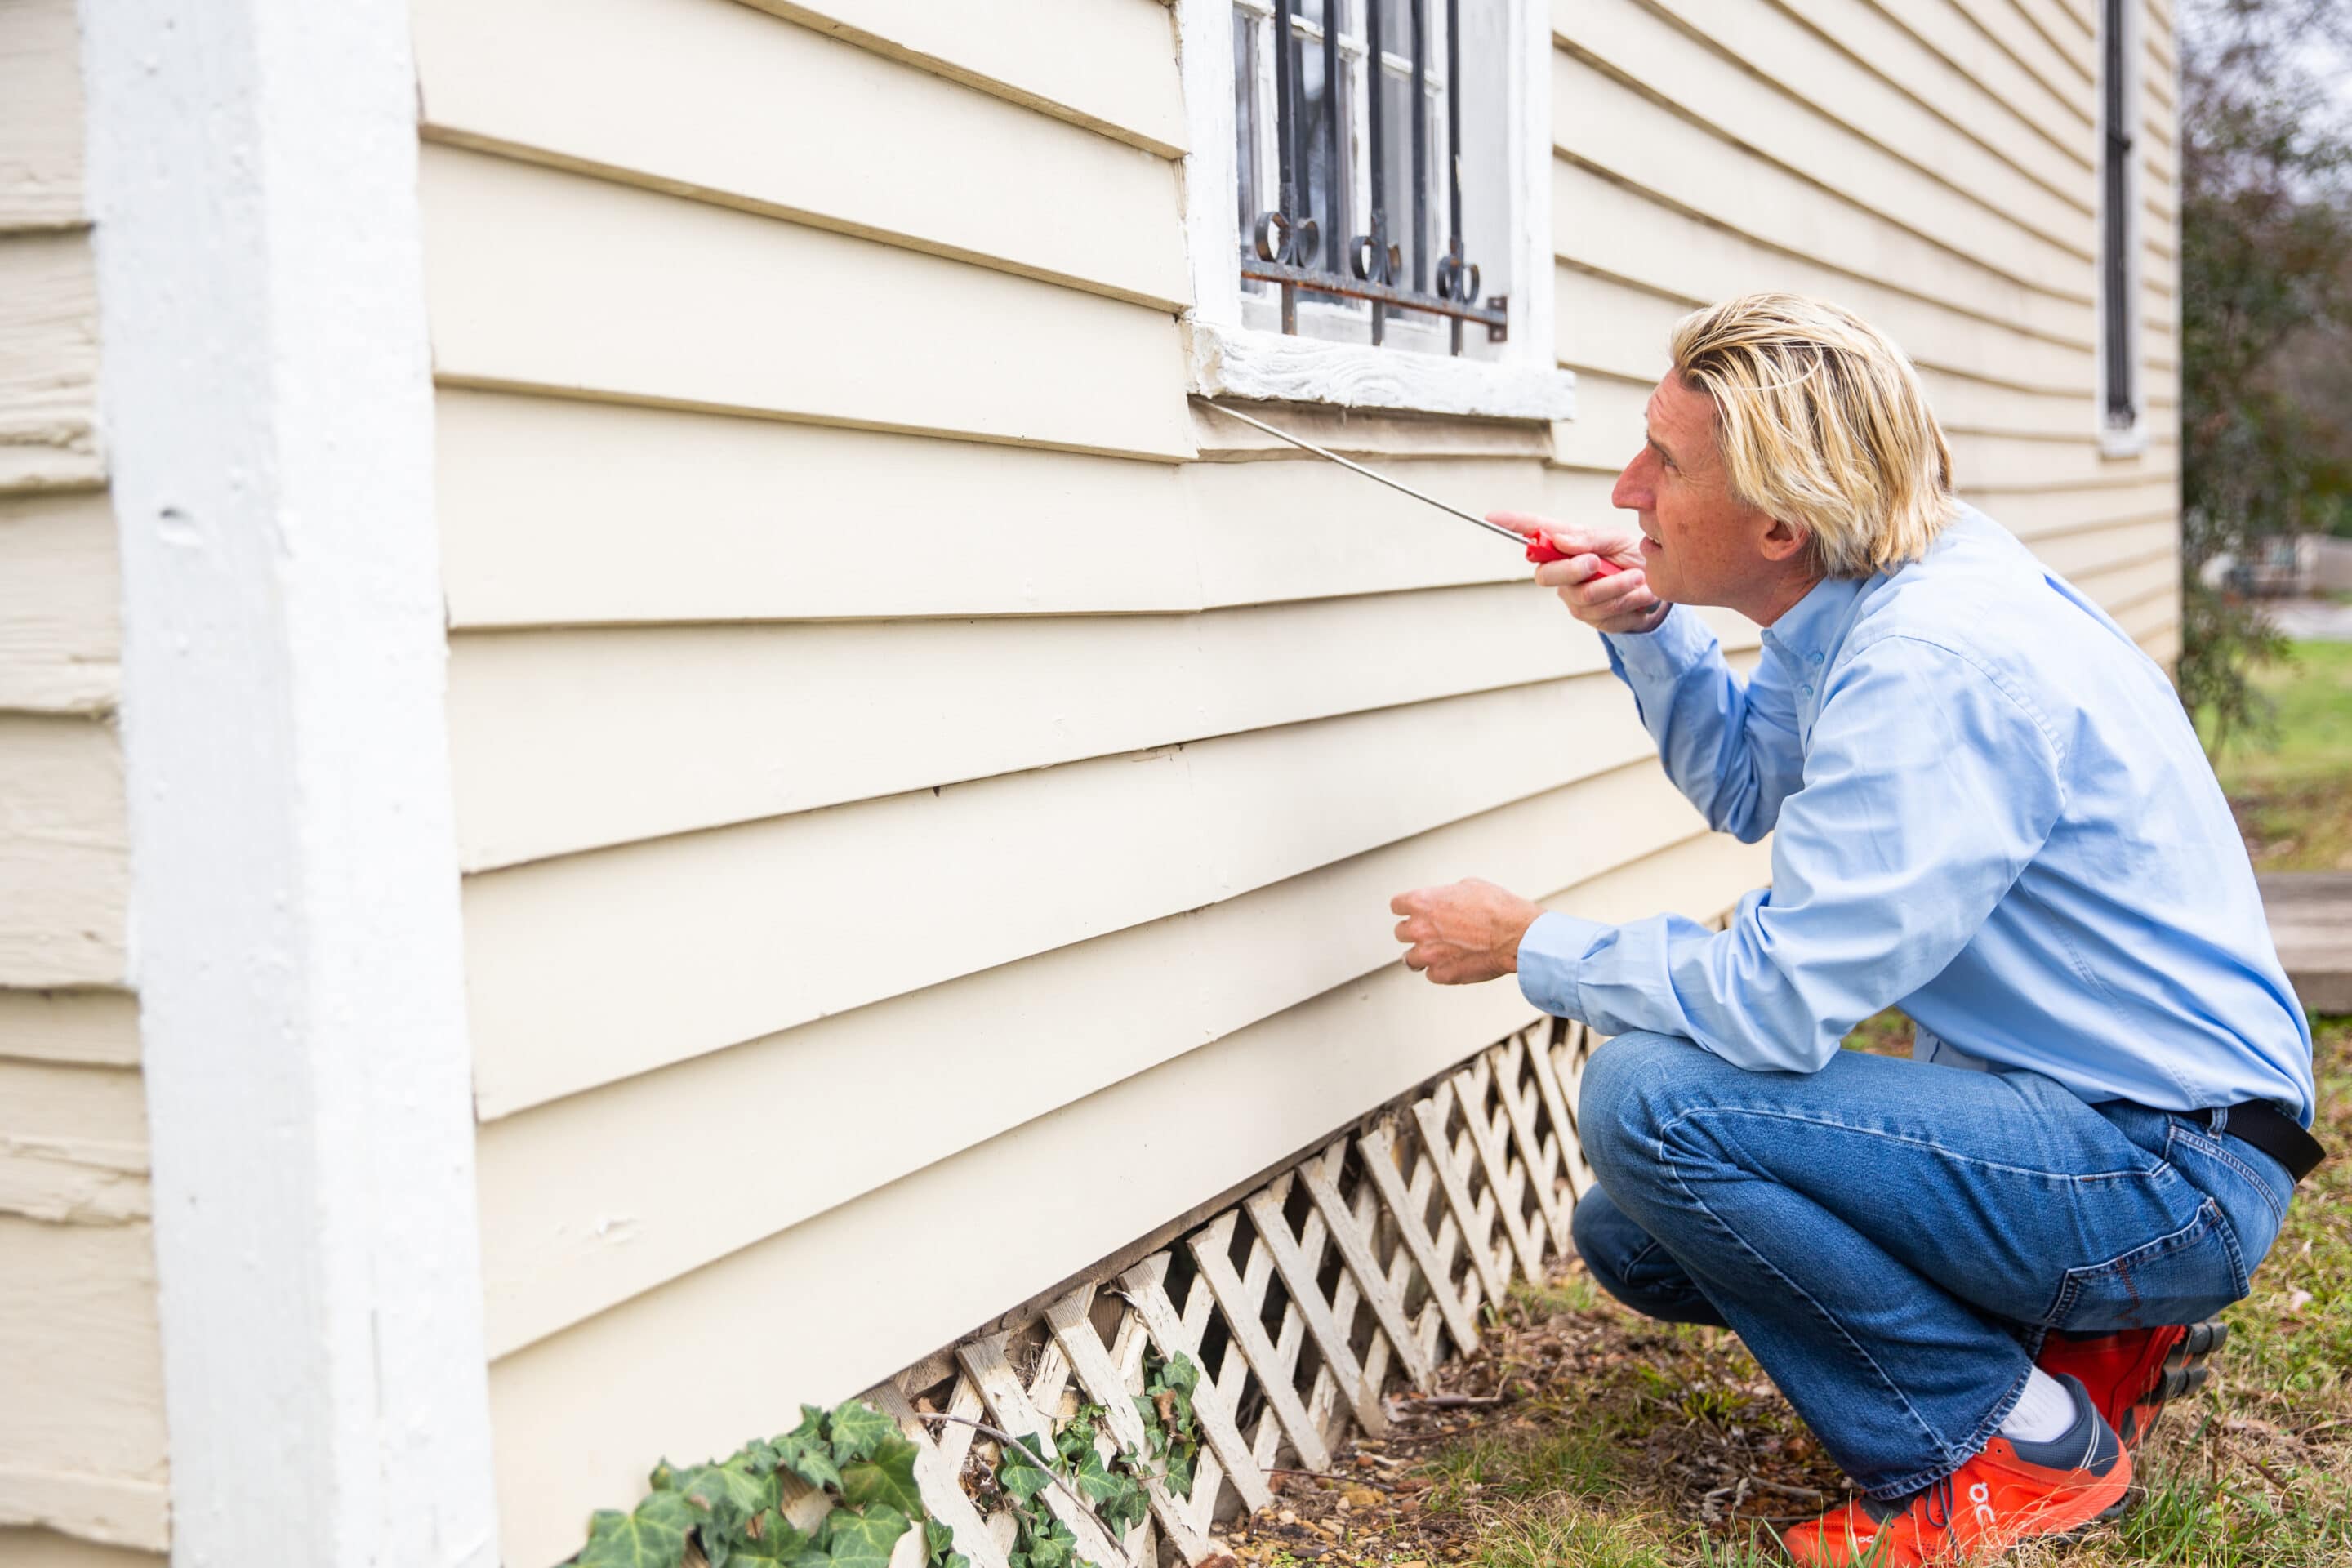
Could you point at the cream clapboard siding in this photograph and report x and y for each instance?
(902, 751)
(81, 1428)
(1929, 163)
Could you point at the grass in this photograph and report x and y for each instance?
(2291, 792)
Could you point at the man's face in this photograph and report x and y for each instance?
(1701, 544)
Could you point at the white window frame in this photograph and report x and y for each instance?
(1231, 354)
(2120, 441)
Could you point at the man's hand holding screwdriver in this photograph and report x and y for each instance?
(1607, 602)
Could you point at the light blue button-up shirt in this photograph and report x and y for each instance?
(1987, 808)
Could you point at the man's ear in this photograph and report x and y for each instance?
(1784, 541)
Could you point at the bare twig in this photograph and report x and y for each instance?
(1452, 1401)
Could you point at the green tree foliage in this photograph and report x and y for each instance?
(2265, 275)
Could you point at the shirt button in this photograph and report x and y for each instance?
(1817, 658)
(1809, 688)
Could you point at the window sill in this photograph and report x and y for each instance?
(1260, 367)
(2119, 444)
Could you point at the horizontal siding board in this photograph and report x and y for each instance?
(1628, 40)
(1600, 121)
(92, 1028)
(596, 966)
(1106, 64)
(576, 1416)
(1819, 79)
(60, 598)
(572, 740)
(2084, 551)
(1971, 104)
(2120, 583)
(40, 115)
(73, 1144)
(82, 1427)
(1299, 530)
(731, 309)
(64, 857)
(1944, 28)
(712, 98)
(1603, 227)
(992, 1051)
(22, 1548)
(556, 512)
(2150, 616)
(49, 361)
(1619, 331)
(2001, 21)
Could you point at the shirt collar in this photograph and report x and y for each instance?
(1814, 628)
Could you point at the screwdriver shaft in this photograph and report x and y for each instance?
(1425, 499)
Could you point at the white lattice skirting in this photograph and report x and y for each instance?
(1360, 1269)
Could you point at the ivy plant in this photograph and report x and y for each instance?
(733, 1508)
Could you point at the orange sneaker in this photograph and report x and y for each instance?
(2010, 1492)
(2130, 1373)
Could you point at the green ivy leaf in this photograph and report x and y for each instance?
(653, 1536)
(1020, 1475)
(1180, 1375)
(808, 1458)
(887, 1478)
(863, 1539)
(1179, 1469)
(1052, 1546)
(857, 1430)
(728, 1496)
(776, 1545)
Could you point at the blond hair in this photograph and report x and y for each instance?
(1820, 422)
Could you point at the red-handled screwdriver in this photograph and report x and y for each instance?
(1539, 549)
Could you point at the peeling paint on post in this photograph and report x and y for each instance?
(267, 412)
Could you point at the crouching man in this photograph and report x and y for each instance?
(1988, 809)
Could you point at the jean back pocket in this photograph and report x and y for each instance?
(2182, 1278)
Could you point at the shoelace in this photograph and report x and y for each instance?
(1938, 1502)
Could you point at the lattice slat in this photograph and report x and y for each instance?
(1240, 1300)
(1505, 1178)
(1380, 1164)
(936, 1469)
(1577, 1051)
(1147, 1290)
(1544, 1060)
(1454, 1174)
(1112, 1378)
(1356, 1242)
(1514, 1069)
(1014, 1406)
(1299, 1259)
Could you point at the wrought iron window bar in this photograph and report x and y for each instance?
(1295, 249)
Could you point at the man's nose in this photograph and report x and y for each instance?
(1635, 491)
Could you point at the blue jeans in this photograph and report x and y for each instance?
(1893, 1240)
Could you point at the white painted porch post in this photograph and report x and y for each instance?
(268, 416)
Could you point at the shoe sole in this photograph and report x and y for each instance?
(2185, 1372)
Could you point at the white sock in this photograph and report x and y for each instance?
(2044, 1414)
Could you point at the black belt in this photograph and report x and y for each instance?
(2267, 1128)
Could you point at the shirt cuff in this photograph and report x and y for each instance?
(1551, 953)
(1664, 651)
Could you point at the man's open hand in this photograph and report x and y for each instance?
(1464, 932)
